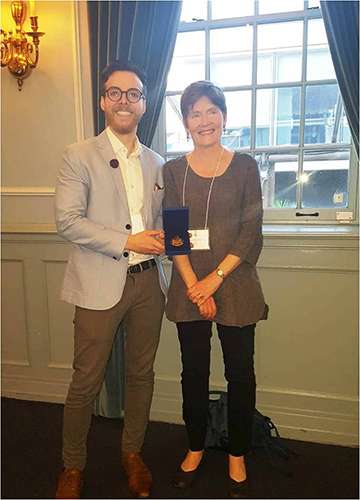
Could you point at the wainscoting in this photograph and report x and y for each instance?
(306, 352)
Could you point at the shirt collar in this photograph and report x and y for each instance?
(119, 147)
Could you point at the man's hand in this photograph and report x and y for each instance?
(208, 309)
(202, 290)
(147, 242)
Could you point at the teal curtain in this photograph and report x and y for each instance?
(144, 32)
(341, 19)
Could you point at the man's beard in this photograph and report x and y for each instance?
(126, 128)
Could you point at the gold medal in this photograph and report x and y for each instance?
(176, 241)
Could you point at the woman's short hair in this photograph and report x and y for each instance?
(202, 88)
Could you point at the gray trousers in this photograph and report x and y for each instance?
(140, 310)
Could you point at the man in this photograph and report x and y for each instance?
(108, 202)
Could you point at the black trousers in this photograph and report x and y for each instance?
(238, 353)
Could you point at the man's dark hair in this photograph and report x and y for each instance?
(122, 65)
(202, 88)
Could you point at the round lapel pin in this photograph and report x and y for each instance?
(114, 163)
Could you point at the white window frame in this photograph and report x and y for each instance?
(273, 215)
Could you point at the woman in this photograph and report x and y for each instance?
(218, 280)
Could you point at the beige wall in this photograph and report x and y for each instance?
(40, 120)
(306, 353)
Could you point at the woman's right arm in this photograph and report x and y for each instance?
(183, 265)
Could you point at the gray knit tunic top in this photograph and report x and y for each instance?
(235, 225)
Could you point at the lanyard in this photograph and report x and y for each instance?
(210, 188)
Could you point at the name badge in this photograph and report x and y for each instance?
(200, 239)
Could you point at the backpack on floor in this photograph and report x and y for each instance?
(265, 435)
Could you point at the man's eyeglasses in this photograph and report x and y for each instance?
(132, 95)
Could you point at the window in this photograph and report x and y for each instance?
(272, 59)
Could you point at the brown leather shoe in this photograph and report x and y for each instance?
(139, 476)
(69, 484)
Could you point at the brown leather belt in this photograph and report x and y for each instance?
(142, 266)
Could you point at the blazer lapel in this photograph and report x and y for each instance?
(107, 152)
(148, 187)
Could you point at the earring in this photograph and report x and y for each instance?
(187, 136)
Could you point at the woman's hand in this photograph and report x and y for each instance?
(208, 309)
(203, 289)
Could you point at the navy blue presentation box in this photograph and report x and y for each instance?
(176, 227)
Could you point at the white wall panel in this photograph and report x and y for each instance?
(27, 206)
(14, 328)
(61, 338)
(310, 337)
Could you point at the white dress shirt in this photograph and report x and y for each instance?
(130, 169)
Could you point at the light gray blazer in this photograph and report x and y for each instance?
(92, 212)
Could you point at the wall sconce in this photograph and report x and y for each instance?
(20, 51)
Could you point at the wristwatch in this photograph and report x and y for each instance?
(220, 273)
